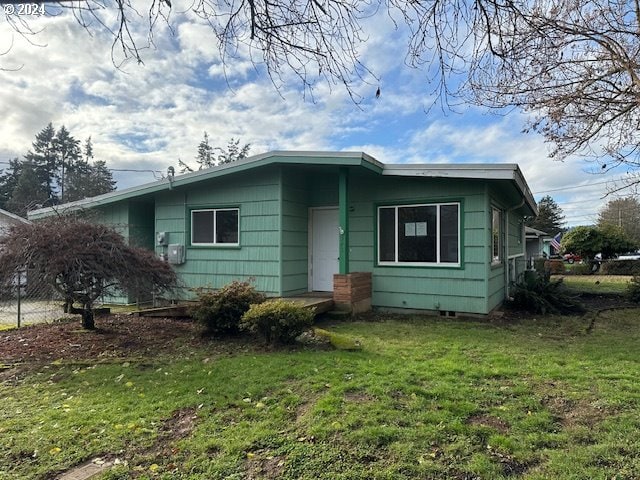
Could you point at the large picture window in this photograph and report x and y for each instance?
(215, 226)
(419, 234)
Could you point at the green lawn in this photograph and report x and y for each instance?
(425, 398)
(604, 284)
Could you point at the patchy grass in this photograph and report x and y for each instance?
(596, 284)
(422, 398)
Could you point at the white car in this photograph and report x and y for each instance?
(629, 256)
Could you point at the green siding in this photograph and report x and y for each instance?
(274, 203)
(459, 289)
(256, 194)
(295, 235)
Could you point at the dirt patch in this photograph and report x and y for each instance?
(259, 466)
(179, 426)
(572, 413)
(115, 336)
(489, 421)
(358, 397)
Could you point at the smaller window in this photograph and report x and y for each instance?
(215, 226)
(496, 236)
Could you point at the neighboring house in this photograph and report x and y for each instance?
(447, 238)
(535, 240)
(7, 219)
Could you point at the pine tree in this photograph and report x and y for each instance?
(233, 152)
(550, 218)
(205, 153)
(44, 160)
(67, 151)
(86, 178)
(29, 192)
(8, 181)
(206, 159)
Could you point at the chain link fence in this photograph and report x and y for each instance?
(27, 301)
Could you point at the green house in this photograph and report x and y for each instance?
(446, 238)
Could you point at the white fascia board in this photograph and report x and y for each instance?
(284, 157)
(499, 171)
(13, 216)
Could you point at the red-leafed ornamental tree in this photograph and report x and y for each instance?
(82, 261)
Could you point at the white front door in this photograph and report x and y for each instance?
(325, 242)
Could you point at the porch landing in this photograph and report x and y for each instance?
(321, 301)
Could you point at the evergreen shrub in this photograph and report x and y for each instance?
(220, 311)
(277, 321)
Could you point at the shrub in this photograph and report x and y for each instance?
(554, 266)
(633, 289)
(220, 311)
(538, 294)
(539, 265)
(620, 267)
(580, 269)
(278, 321)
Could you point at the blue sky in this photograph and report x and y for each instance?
(146, 117)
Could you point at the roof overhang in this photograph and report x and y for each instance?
(342, 159)
(507, 172)
(13, 216)
(497, 171)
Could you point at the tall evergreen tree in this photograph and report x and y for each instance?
(29, 192)
(8, 181)
(87, 177)
(233, 152)
(67, 151)
(206, 157)
(550, 218)
(44, 160)
(55, 170)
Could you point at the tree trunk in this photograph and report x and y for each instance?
(88, 322)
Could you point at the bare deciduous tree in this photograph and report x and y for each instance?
(573, 65)
(82, 261)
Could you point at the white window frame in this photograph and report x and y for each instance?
(426, 264)
(214, 243)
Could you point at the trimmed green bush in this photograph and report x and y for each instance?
(277, 321)
(580, 269)
(538, 294)
(220, 311)
(620, 267)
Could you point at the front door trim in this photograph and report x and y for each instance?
(310, 285)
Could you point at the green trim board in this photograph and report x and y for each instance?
(343, 218)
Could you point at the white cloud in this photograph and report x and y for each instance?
(147, 116)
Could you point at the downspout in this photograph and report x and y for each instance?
(506, 247)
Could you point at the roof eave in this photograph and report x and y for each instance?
(499, 171)
(276, 157)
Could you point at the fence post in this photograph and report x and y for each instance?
(19, 296)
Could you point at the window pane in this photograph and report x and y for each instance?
(496, 233)
(449, 233)
(202, 226)
(227, 226)
(417, 234)
(387, 239)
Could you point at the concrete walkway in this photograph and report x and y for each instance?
(87, 470)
